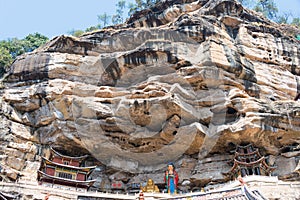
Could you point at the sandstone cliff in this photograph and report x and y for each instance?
(183, 82)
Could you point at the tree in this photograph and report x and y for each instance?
(14, 47)
(17, 47)
(92, 28)
(284, 18)
(103, 19)
(5, 60)
(118, 17)
(33, 41)
(76, 33)
(150, 3)
(296, 22)
(267, 7)
(140, 5)
(132, 8)
(5, 57)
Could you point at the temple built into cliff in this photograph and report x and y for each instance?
(248, 161)
(65, 170)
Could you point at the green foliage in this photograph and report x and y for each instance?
(118, 17)
(132, 8)
(17, 47)
(5, 60)
(104, 20)
(33, 41)
(5, 57)
(92, 28)
(76, 33)
(140, 5)
(121, 6)
(296, 22)
(267, 7)
(12, 48)
(284, 18)
(152, 2)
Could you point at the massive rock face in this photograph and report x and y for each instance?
(183, 82)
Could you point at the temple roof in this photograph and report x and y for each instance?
(85, 169)
(255, 152)
(45, 176)
(239, 163)
(69, 157)
(245, 147)
(249, 157)
(262, 159)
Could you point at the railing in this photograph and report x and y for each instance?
(61, 190)
(72, 193)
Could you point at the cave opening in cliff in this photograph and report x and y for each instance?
(231, 114)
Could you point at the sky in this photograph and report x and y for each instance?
(18, 18)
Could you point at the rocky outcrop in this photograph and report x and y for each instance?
(183, 82)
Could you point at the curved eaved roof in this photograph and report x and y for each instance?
(85, 169)
(68, 157)
(87, 183)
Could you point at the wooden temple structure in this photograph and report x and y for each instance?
(65, 170)
(248, 161)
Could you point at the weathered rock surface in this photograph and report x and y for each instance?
(183, 82)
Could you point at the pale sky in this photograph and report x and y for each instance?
(18, 18)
